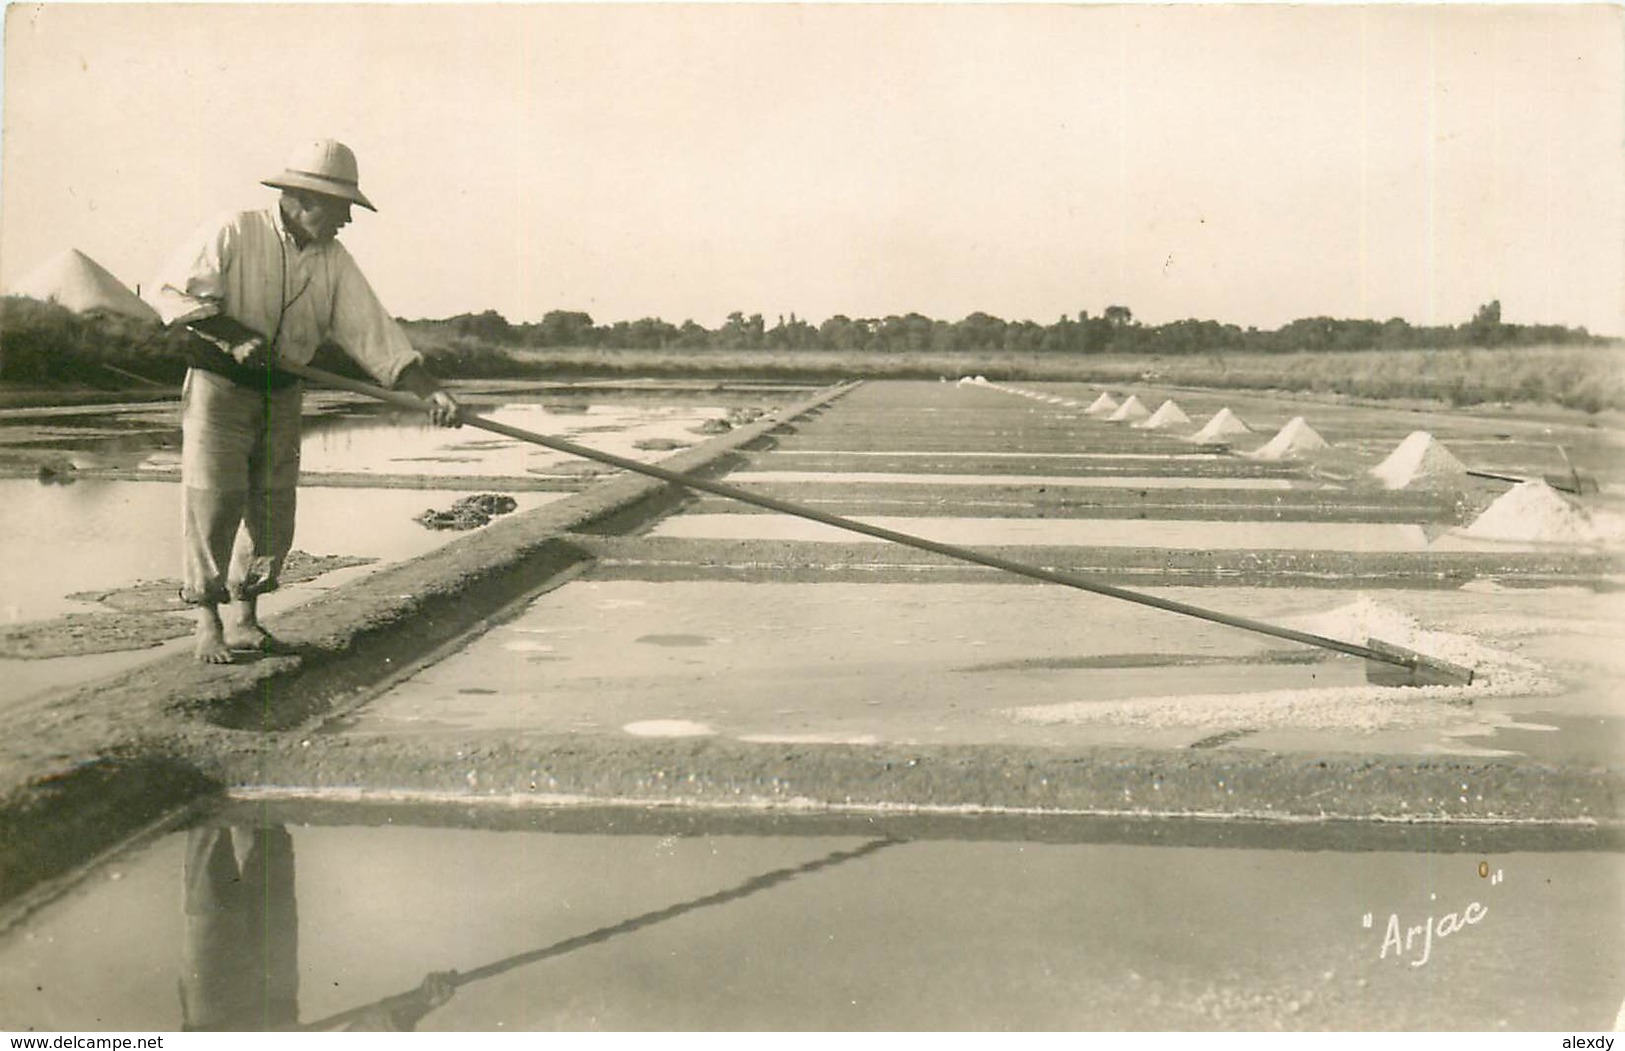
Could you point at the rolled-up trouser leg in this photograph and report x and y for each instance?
(219, 428)
(268, 513)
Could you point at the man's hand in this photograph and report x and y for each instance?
(250, 352)
(444, 410)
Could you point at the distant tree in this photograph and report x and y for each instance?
(565, 328)
(842, 333)
(692, 335)
(793, 334)
(1485, 330)
(909, 332)
(979, 331)
(740, 332)
(487, 325)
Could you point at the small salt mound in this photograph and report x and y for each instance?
(1101, 405)
(1360, 708)
(1223, 424)
(1132, 409)
(1533, 511)
(1295, 439)
(1418, 458)
(1357, 708)
(1167, 415)
(667, 728)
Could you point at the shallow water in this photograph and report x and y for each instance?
(62, 539)
(1164, 533)
(389, 445)
(1067, 480)
(1004, 454)
(605, 920)
(57, 539)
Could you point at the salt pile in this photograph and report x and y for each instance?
(1534, 511)
(1295, 439)
(1365, 619)
(1366, 708)
(1223, 424)
(1418, 458)
(1133, 409)
(1167, 415)
(1101, 405)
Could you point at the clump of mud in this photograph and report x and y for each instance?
(1297, 438)
(659, 444)
(79, 634)
(470, 512)
(163, 596)
(142, 615)
(573, 469)
(1534, 511)
(1419, 459)
(734, 418)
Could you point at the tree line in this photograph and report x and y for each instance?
(46, 344)
(1113, 331)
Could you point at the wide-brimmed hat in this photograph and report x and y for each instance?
(322, 166)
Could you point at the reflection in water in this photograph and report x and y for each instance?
(240, 958)
(240, 965)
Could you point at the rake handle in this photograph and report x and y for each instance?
(963, 554)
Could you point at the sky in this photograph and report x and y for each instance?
(1251, 164)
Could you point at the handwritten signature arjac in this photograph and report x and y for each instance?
(1401, 939)
(1444, 926)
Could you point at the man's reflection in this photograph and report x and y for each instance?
(240, 962)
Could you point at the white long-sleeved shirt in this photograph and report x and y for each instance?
(248, 267)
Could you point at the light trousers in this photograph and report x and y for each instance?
(239, 480)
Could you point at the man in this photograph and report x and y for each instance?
(252, 289)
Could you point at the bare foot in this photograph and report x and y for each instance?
(210, 645)
(254, 637)
(244, 631)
